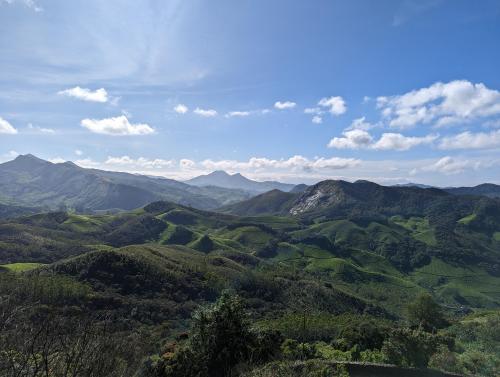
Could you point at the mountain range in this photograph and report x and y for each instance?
(28, 181)
(329, 259)
(237, 181)
(29, 184)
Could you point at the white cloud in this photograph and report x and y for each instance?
(205, 113)
(186, 164)
(313, 110)
(32, 4)
(88, 163)
(116, 126)
(317, 119)
(99, 95)
(237, 114)
(352, 139)
(6, 127)
(398, 142)
(361, 124)
(11, 154)
(141, 162)
(181, 109)
(284, 105)
(295, 163)
(41, 129)
(57, 160)
(335, 105)
(440, 104)
(448, 165)
(470, 140)
(78, 152)
(358, 139)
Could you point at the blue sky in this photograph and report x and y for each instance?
(390, 91)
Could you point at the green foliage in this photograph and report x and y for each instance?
(478, 346)
(425, 313)
(220, 338)
(294, 350)
(20, 267)
(309, 368)
(180, 236)
(413, 348)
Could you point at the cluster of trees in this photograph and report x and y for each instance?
(43, 334)
(222, 342)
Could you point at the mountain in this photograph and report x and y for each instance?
(299, 188)
(341, 262)
(28, 181)
(237, 181)
(486, 189)
(268, 203)
(411, 184)
(340, 197)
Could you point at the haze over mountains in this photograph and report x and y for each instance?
(236, 181)
(33, 182)
(29, 184)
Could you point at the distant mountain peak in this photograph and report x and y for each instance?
(221, 178)
(29, 156)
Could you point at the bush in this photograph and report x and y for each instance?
(220, 339)
(413, 348)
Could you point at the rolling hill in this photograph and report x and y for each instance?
(486, 189)
(330, 268)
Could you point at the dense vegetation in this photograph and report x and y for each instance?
(409, 277)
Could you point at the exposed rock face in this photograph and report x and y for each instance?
(323, 194)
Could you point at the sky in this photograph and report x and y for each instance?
(391, 91)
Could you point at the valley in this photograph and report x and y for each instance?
(311, 265)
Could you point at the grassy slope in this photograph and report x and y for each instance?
(20, 267)
(346, 258)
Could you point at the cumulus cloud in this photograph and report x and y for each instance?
(237, 114)
(352, 139)
(295, 163)
(449, 165)
(186, 164)
(313, 110)
(11, 154)
(117, 126)
(78, 152)
(41, 129)
(440, 104)
(284, 105)
(361, 124)
(470, 140)
(141, 162)
(317, 119)
(398, 142)
(181, 109)
(6, 127)
(361, 139)
(84, 94)
(208, 113)
(57, 160)
(334, 105)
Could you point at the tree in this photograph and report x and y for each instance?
(426, 314)
(413, 348)
(220, 338)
